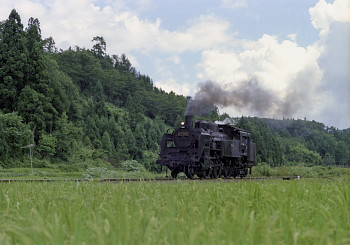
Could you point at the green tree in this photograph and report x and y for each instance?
(300, 154)
(14, 135)
(47, 145)
(268, 146)
(107, 144)
(49, 45)
(342, 153)
(37, 76)
(149, 160)
(68, 136)
(99, 47)
(66, 94)
(13, 62)
(31, 108)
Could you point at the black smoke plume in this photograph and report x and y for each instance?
(249, 95)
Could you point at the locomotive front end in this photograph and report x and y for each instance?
(178, 150)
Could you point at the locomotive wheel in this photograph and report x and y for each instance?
(201, 176)
(208, 173)
(189, 171)
(234, 173)
(215, 172)
(174, 174)
(226, 172)
(219, 172)
(204, 174)
(243, 173)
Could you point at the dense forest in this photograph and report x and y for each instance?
(83, 107)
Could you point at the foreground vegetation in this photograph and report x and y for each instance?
(249, 212)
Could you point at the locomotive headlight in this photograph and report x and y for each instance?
(182, 123)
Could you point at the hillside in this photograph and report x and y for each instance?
(77, 105)
(84, 107)
(298, 142)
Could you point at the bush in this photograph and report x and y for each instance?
(132, 166)
(149, 161)
(263, 169)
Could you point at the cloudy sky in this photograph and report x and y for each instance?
(297, 52)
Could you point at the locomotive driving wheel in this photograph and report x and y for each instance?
(226, 171)
(174, 173)
(189, 171)
(215, 172)
(201, 175)
(205, 174)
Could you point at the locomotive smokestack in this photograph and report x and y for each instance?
(189, 121)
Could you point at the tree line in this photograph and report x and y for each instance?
(298, 142)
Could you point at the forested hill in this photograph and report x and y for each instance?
(78, 104)
(82, 107)
(298, 142)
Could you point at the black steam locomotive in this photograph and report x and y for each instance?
(207, 150)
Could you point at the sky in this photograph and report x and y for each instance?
(295, 54)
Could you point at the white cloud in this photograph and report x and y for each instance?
(323, 14)
(76, 22)
(333, 21)
(204, 32)
(219, 65)
(172, 85)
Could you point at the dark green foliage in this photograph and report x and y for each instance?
(132, 166)
(49, 45)
(13, 62)
(14, 134)
(269, 149)
(99, 48)
(30, 107)
(68, 137)
(298, 142)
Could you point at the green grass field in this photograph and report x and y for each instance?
(312, 211)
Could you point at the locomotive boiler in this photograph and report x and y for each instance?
(208, 150)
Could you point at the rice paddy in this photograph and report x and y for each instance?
(313, 211)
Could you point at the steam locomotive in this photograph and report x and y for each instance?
(208, 150)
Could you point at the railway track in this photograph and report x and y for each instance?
(116, 180)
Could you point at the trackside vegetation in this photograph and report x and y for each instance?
(130, 170)
(182, 212)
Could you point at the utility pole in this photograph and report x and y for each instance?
(31, 146)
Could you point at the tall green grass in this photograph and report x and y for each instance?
(180, 212)
(263, 169)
